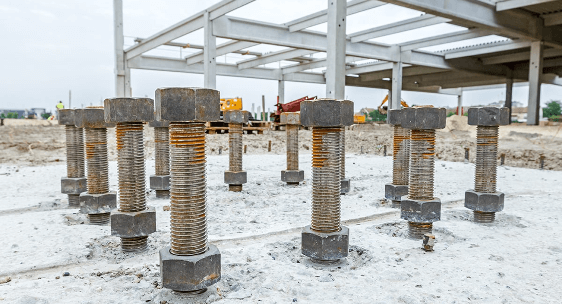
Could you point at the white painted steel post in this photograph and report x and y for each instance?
(119, 40)
(209, 54)
(281, 90)
(396, 97)
(336, 38)
(535, 74)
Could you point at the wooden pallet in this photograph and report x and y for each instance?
(219, 127)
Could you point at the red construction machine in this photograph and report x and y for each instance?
(293, 106)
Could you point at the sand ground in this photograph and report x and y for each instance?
(517, 259)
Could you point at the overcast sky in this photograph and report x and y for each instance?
(51, 47)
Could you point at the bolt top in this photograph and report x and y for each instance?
(395, 117)
(424, 118)
(236, 116)
(123, 109)
(290, 118)
(187, 104)
(326, 112)
(159, 124)
(488, 116)
(92, 117)
(66, 117)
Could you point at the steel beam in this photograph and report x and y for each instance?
(522, 56)
(225, 7)
(315, 64)
(552, 19)
(273, 57)
(397, 27)
(406, 71)
(335, 55)
(535, 74)
(488, 49)
(512, 4)
(353, 7)
(223, 49)
(443, 39)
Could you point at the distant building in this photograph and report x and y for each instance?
(366, 111)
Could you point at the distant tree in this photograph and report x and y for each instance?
(552, 109)
(2, 115)
(465, 113)
(377, 116)
(46, 115)
(12, 115)
(451, 114)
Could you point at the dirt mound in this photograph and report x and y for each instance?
(457, 123)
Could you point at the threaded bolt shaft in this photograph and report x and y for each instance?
(74, 159)
(342, 153)
(188, 188)
(98, 168)
(292, 147)
(422, 166)
(486, 166)
(326, 177)
(235, 131)
(162, 156)
(401, 156)
(130, 162)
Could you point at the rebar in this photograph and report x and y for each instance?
(188, 188)
(422, 166)
(130, 162)
(235, 131)
(326, 176)
(292, 147)
(74, 158)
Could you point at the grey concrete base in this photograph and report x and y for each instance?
(190, 273)
(395, 192)
(345, 186)
(325, 246)
(98, 203)
(70, 185)
(235, 178)
(160, 182)
(421, 211)
(483, 202)
(292, 176)
(133, 224)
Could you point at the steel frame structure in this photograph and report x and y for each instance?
(531, 53)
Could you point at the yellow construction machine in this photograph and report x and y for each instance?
(383, 110)
(358, 118)
(231, 104)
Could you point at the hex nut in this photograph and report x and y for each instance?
(159, 124)
(345, 186)
(236, 116)
(71, 185)
(123, 109)
(92, 118)
(395, 117)
(187, 104)
(98, 203)
(488, 116)
(290, 118)
(66, 117)
(160, 182)
(484, 202)
(326, 112)
(395, 192)
(418, 211)
(190, 273)
(325, 246)
(133, 224)
(292, 176)
(424, 118)
(235, 178)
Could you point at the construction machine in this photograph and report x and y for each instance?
(358, 118)
(384, 110)
(231, 104)
(293, 106)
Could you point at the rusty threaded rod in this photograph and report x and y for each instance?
(132, 188)
(401, 156)
(342, 153)
(74, 158)
(422, 166)
(235, 131)
(98, 168)
(162, 156)
(326, 177)
(292, 147)
(486, 166)
(188, 188)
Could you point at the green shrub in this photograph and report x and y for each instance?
(46, 115)
(552, 109)
(377, 116)
(451, 114)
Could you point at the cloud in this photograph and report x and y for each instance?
(43, 13)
